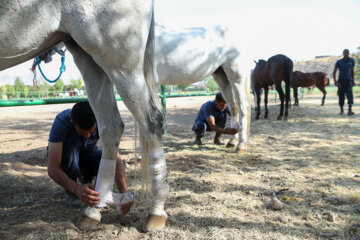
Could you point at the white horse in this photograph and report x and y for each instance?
(112, 44)
(185, 56)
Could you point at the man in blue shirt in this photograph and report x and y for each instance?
(212, 117)
(346, 80)
(73, 157)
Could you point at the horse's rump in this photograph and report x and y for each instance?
(301, 79)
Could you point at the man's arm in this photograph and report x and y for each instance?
(213, 127)
(352, 75)
(120, 178)
(84, 192)
(334, 75)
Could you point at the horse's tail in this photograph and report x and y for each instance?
(149, 74)
(327, 82)
(287, 77)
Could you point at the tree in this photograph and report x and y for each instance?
(18, 85)
(77, 83)
(59, 85)
(10, 91)
(182, 87)
(211, 85)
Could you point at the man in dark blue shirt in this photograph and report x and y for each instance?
(73, 156)
(346, 80)
(212, 117)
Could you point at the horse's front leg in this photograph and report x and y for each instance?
(102, 100)
(266, 89)
(258, 100)
(296, 103)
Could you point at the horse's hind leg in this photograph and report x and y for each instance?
(145, 107)
(281, 96)
(102, 100)
(234, 90)
(266, 101)
(322, 89)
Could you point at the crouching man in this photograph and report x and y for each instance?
(212, 117)
(73, 157)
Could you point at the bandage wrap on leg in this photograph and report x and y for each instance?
(234, 124)
(105, 181)
(160, 188)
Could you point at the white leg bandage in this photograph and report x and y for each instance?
(93, 213)
(234, 124)
(160, 188)
(105, 181)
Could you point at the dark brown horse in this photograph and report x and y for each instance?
(273, 71)
(300, 79)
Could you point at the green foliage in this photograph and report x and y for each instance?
(182, 87)
(10, 91)
(79, 84)
(18, 85)
(59, 85)
(211, 85)
(357, 69)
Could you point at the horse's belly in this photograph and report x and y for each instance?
(26, 27)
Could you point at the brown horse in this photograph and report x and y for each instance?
(300, 79)
(273, 71)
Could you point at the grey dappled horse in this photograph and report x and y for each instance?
(188, 55)
(112, 44)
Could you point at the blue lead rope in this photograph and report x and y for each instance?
(62, 68)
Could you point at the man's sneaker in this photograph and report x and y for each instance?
(198, 141)
(230, 144)
(217, 141)
(72, 201)
(350, 113)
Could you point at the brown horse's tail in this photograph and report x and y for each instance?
(327, 82)
(288, 75)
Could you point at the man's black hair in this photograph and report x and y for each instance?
(219, 98)
(83, 116)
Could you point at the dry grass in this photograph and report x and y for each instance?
(310, 161)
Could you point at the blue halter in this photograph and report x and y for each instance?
(37, 61)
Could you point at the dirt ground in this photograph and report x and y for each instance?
(310, 162)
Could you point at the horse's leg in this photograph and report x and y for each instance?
(258, 99)
(234, 90)
(296, 103)
(144, 107)
(281, 96)
(102, 100)
(322, 89)
(266, 89)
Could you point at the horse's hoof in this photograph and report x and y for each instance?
(240, 151)
(257, 117)
(279, 118)
(285, 118)
(155, 223)
(86, 222)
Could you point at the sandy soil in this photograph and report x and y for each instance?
(311, 162)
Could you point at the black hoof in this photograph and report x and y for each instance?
(279, 118)
(257, 117)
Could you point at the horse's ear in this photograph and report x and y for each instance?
(255, 62)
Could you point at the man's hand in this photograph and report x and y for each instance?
(125, 208)
(231, 131)
(336, 82)
(88, 195)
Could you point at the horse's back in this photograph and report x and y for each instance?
(301, 79)
(188, 55)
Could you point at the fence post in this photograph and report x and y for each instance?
(163, 103)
